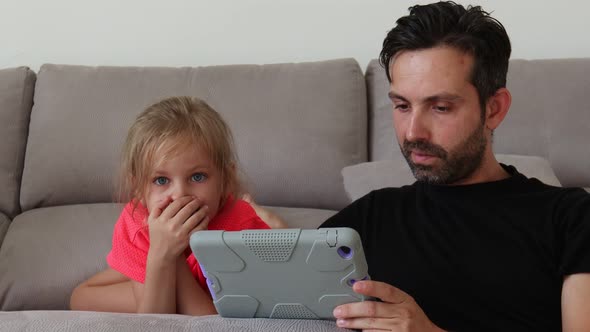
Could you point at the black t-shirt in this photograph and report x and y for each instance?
(482, 257)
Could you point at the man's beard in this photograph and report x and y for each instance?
(456, 165)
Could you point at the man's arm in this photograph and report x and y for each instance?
(575, 303)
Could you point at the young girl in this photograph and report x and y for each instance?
(179, 171)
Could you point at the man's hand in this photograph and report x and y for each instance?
(397, 312)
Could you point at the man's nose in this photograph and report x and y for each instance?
(418, 127)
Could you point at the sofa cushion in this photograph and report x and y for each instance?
(50, 251)
(41, 321)
(531, 166)
(301, 217)
(295, 126)
(363, 178)
(382, 140)
(4, 222)
(548, 117)
(16, 98)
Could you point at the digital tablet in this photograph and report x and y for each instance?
(281, 273)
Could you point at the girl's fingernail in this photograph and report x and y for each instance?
(341, 322)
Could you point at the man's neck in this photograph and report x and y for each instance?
(490, 170)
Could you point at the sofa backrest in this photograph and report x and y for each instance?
(4, 223)
(549, 116)
(16, 98)
(295, 126)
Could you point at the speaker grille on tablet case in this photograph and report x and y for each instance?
(292, 311)
(281, 273)
(271, 247)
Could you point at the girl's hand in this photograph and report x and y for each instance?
(171, 224)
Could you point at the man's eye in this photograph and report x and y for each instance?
(401, 107)
(198, 177)
(160, 181)
(442, 108)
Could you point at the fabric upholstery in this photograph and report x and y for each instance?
(298, 129)
(4, 222)
(532, 167)
(363, 178)
(16, 98)
(549, 116)
(37, 321)
(50, 251)
(382, 140)
(302, 218)
(295, 126)
(58, 247)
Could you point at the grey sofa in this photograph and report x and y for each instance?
(310, 136)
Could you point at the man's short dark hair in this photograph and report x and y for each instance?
(470, 30)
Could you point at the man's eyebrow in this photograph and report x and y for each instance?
(392, 95)
(441, 96)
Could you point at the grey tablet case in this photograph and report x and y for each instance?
(281, 273)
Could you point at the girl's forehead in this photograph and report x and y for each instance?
(172, 149)
(177, 144)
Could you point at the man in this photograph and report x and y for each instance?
(473, 245)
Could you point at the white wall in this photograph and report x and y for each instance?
(200, 32)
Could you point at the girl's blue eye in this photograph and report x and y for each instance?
(198, 177)
(160, 181)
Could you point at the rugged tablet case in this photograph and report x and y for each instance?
(281, 273)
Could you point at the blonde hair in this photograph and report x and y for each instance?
(167, 127)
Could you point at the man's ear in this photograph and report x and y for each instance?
(497, 108)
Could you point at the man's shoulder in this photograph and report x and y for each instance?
(554, 201)
(574, 197)
(391, 192)
(534, 185)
